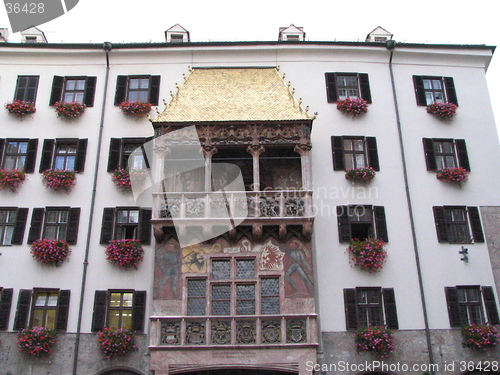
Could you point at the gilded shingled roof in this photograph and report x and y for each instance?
(232, 94)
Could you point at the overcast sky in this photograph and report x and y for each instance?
(423, 21)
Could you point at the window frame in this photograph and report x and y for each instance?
(6, 295)
(459, 152)
(117, 155)
(19, 225)
(39, 223)
(123, 88)
(447, 83)
(30, 154)
(26, 92)
(473, 224)
(59, 84)
(49, 153)
(339, 154)
(487, 305)
(109, 224)
(332, 89)
(45, 308)
(60, 227)
(378, 222)
(122, 310)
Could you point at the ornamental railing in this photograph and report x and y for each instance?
(224, 331)
(245, 205)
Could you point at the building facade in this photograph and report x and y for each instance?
(256, 277)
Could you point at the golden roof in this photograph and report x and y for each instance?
(232, 94)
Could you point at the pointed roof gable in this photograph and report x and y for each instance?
(177, 30)
(292, 30)
(377, 34)
(231, 95)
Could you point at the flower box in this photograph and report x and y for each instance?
(116, 342)
(124, 179)
(36, 341)
(69, 110)
(354, 107)
(20, 108)
(125, 253)
(480, 337)
(136, 109)
(368, 255)
(59, 180)
(50, 252)
(456, 175)
(11, 179)
(360, 174)
(442, 110)
(378, 341)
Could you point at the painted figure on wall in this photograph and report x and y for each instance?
(298, 270)
(167, 271)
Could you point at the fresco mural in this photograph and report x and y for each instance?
(294, 258)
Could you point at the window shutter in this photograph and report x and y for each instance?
(36, 225)
(29, 165)
(343, 224)
(145, 226)
(90, 91)
(418, 83)
(2, 145)
(5, 304)
(20, 93)
(475, 224)
(138, 310)
(364, 85)
(453, 308)
(380, 223)
(57, 89)
(108, 219)
(331, 87)
(371, 146)
(31, 89)
(451, 93)
(115, 146)
(20, 226)
(430, 158)
(463, 158)
(391, 314)
(63, 310)
(121, 89)
(99, 315)
(23, 309)
(490, 305)
(441, 228)
(351, 319)
(338, 154)
(81, 154)
(73, 222)
(47, 151)
(154, 91)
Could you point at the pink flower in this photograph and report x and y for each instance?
(11, 179)
(137, 109)
(116, 342)
(353, 107)
(69, 110)
(20, 108)
(125, 253)
(442, 110)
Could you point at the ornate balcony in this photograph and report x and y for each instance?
(214, 206)
(231, 331)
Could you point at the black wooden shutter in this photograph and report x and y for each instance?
(108, 221)
(490, 305)
(73, 222)
(29, 164)
(380, 223)
(5, 304)
(36, 225)
(430, 158)
(47, 152)
(451, 93)
(99, 315)
(19, 226)
(391, 314)
(475, 224)
(463, 158)
(364, 85)
(121, 89)
(138, 310)
(20, 93)
(31, 89)
(453, 308)
(57, 89)
(115, 146)
(145, 226)
(63, 310)
(2, 145)
(418, 83)
(441, 228)
(90, 91)
(351, 319)
(154, 91)
(331, 87)
(371, 147)
(338, 154)
(81, 154)
(23, 309)
(343, 224)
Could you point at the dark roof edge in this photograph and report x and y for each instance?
(249, 43)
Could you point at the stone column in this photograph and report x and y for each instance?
(305, 162)
(256, 150)
(208, 152)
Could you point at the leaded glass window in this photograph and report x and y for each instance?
(221, 269)
(245, 299)
(196, 294)
(270, 295)
(221, 299)
(245, 269)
